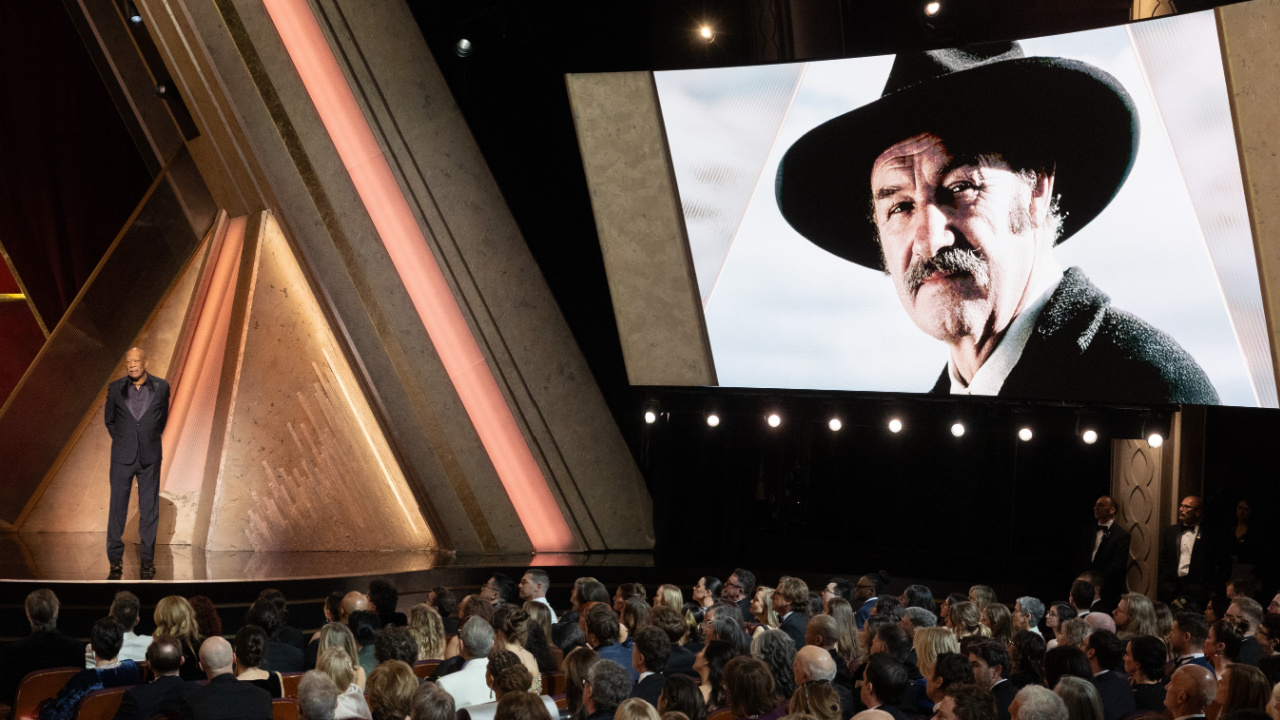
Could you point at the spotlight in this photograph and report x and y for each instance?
(1089, 437)
(895, 425)
(462, 48)
(1024, 434)
(706, 33)
(650, 417)
(957, 429)
(835, 425)
(131, 12)
(1155, 440)
(713, 419)
(774, 420)
(932, 8)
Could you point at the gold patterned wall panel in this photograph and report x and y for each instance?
(1135, 486)
(304, 463)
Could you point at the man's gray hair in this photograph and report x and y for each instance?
(476, 636)
(317, 696)
(610, 685)
(1036, 702)
(921, 618)
(1251, 608)
(1033, 607)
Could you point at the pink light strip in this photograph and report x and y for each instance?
(422, 277)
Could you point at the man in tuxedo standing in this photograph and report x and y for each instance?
(1104, 549)
(1191, 561)
(137, 409)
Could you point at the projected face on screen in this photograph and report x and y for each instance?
(1059, 218)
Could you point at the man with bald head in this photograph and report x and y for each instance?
(353, 601)
(1193, 561)
(137, 409)
(813, 664)
(225, 697)
(1190, 690)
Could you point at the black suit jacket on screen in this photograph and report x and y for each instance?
(136, 438)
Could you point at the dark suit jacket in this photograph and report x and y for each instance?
(1004, 693)
(680, 661)
(1117, 695)
(136, 439)
(1111, 561)
(226, 698)
(1083, 349)
(452, 665)
(161, 696)
(37, 651)
(794, 626)
(292, 636)
(744, 606)
(1250, 651)
(649, 688)
(1209, 564)
(282, 657)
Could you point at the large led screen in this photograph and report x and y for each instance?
(1059, 218)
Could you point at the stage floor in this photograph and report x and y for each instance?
(82, 557)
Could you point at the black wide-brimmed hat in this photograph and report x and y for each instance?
(990, 98)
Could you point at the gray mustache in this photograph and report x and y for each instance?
(948, 260)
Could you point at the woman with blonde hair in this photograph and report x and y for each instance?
(929, 644)
(337, 635)
(176, 618)
(1135, 616)
(668, 596)
(511, 632)
(762, 610)
(427, 629)
(391, 688)
(847, 645)
(816, 699)
(341, 669)
(965, 620)
(539, 632)
(635, 709)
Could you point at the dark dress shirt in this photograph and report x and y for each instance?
(161, 696)
(40, 650)
(226, 698)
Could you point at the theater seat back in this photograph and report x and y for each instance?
(38, 686)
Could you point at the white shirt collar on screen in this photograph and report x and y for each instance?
(991, 376)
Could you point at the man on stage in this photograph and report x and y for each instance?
(136, 412)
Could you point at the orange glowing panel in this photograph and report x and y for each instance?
(436, 306)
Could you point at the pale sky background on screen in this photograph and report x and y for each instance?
(783, 313)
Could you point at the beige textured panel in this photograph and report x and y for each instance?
(1251, 59)
(1135, 487)
(641, 229)
(304, 463)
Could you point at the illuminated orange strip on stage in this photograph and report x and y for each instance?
(421, 274)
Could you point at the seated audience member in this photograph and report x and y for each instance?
(44, 648)
(991, 666)
(427, 629)
(1247, 612)
(224, 697)
(341, 669)
(1100, 621)
(625, 592)
(432, 703)
(999, 620)
(649, 658)
(602, 635)
(1190, 692)
(250, 644)
(914, 618)
(1144, 659)
(761, 611)
(383, 598)
(1080, 697)
(866, 595)
(317, 696)
(836, 587)
(108, 672)
(1273, 706)
(710, 668)
(1240, 687)
(918, 596)
(775, 649)
(890, 607)
(391, 686)
(885, 684)
(395, 642)
(1072, 633)
(286, 633)
(1135, 615)
(538, 641)
(818, 700)
(514, 630)
(636, 709)
(680, 694)
(279, 656)
(668, 596)
(1268, 635)
(749, 690)
(174, 616)
(337, 635)
(576, 666)
(500, 661)
(1106, 661)
(1058, 613)
(1098, 603)
(822, 632)
(445, 603)
(533, 587)
(1026, 653)
(523, 706)
(965, 620)
(164, 694)
(1061, 662)
(966, 701)
(208, 623)
(791, 602)
(468, 686)
(847, 645)
(1036, 702)
(1081, 597)
(126, 609)
(608, 685)
(469, 607)
(670, 622)
(944, 610)
(949, 668)
(982, 596)
(1026, 614)
(364, 625)
(707, 591)
(1186, 641)
(498, 589)
(635, 616)
(813, 664)
(1222, 646)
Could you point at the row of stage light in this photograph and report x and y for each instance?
(958, 429)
